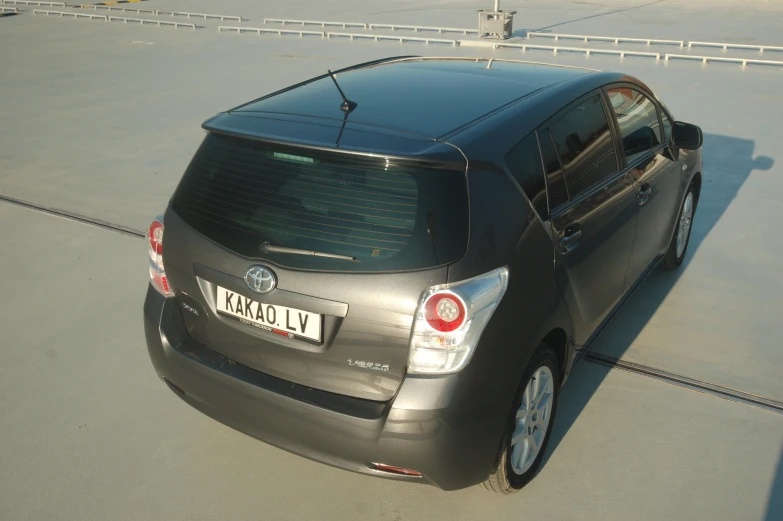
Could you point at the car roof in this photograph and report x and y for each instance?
(430, 97)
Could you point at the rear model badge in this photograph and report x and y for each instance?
(260, 279)
(189, 308)
(369, 365)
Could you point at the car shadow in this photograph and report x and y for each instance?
(728, 162)
(775, 503)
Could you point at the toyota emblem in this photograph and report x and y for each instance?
(260, 279)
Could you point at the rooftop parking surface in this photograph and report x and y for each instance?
(100, 118)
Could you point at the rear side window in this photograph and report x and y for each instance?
(241, 193)
(637, 118)
(524, 162)
(585, 146)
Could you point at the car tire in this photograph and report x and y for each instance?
(678, 246)
(514, 465)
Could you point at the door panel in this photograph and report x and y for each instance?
(657, 181)
(651, 167)
(594, 241)
(594, 230)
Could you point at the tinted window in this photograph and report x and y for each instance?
(584, 144)
(555, 184)
(524, 161)
(637, 117)
(241, 193)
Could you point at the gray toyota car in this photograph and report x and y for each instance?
(392, 268)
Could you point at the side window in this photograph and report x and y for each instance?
(667, 127)
(524, 161)
(585, 145)
(637, 118)
(555, 184)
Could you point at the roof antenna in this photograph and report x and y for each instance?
(347, 105)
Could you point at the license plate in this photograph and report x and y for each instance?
(280, 320)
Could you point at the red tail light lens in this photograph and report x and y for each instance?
(444, 312)
(155, 236)
(158, 277)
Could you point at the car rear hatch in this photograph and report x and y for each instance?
(330, 323)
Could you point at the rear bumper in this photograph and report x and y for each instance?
(446, 428)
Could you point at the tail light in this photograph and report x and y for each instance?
(449, 322)
(157, 272)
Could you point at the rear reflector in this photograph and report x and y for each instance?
(395, 470)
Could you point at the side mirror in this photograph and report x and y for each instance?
(687, 136)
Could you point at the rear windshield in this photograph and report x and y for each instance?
(242, 193)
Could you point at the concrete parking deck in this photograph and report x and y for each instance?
(101, 118)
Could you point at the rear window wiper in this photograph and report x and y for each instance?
(271, 248)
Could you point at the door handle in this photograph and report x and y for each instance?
(644, 195)
(570, 241)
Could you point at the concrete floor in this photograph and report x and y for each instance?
(101, 119)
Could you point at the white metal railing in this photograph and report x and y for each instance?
(262, 30)
(706, 59)
(586, 51)
(418, 28)
(615, 39)
(159, 23)
(366, 25)
(65, 14)
(9, 10)
(205, 16)
(331, 34)
(121, 9)
(401, 39)
(286, 21)
(34, 2)
(159, 12)
(727, 46)
(649, 41)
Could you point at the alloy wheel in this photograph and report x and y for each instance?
(532, 420)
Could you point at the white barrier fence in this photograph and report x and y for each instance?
(344, 25)
(727, 46)
(418, 28)
(66, 14)
(33, 2)
(586, 51)
(706, 59)
(146, 21)
(105, 18)
(401, 39)
(263, 30)
(614, 39)
(159, 12)
(366, 25)
(331, 34)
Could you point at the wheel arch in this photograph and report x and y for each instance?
(557, 339)
(696, 182)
